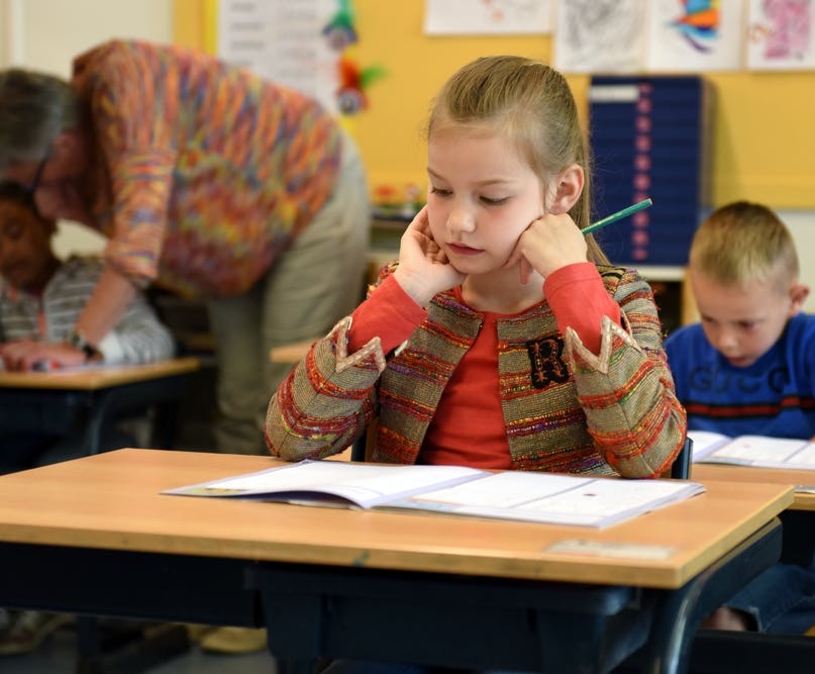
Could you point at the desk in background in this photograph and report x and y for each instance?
(747, 652)
(803, 501)
(57, 402)
(95, 536)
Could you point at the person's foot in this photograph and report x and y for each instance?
(234, 640)
(29, 629)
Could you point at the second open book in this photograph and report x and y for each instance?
(515, 495)
(753, 450)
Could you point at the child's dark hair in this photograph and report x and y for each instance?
(16, 193)
(533, 105)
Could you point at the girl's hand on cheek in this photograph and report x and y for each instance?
(424, 269)
(549, 243)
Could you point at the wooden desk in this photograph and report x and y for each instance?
(57, 401)
(95, 536)
(749, 652)
(715, 471)
(97, 378)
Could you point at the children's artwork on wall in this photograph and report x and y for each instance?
(283, 42)
(487, 17)
(781, 35)
(695, 35)
(306, 45)
(597, 36)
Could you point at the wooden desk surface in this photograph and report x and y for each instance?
(98, 378)
(701, 472)
(112, 501)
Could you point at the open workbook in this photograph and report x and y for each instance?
(753, 450)
(515, 495)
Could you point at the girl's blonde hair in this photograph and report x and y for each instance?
(532, 104)
(743, 242)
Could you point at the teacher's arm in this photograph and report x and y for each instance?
(135, 134)
(106, 306)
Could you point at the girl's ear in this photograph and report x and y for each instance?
(565, 190)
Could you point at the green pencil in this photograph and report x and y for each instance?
(619, 215)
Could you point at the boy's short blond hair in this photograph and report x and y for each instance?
(743, 242)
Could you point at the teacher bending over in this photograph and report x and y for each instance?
(208, 181)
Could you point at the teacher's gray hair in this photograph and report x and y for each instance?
(34, 109)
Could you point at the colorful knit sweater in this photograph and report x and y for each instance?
(565, 408)
(203, 173)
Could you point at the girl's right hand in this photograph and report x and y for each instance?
(424, 270)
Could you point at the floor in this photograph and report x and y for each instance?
(58, 656)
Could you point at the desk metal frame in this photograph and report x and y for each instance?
(369, 614)
(61, 411)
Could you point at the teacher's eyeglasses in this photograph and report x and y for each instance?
(35, 184)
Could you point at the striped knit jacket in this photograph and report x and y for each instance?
(565, 408)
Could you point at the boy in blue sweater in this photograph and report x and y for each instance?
(749, 368)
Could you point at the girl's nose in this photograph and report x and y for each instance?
(460, 219)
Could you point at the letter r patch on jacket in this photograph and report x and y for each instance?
(546, 360)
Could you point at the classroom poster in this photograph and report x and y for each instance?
(781, 35)
(695, 35)
(600, 36)
(283, 40)
(487, 17)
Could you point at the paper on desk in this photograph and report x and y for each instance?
(753, 450)
(553, 498)
(455, 490)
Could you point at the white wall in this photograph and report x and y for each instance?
(46, 34)
(802, 226)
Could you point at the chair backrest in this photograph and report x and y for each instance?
(362, 449)
(680, 470)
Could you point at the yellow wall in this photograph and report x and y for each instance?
(763, 136)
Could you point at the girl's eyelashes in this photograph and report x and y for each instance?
(489, 201)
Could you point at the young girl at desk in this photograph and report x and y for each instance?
(502, 338)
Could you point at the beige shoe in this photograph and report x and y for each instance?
(196, 632)
(234, 640)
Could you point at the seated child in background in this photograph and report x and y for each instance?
(40, 300)
(502, 338)
(749, 368)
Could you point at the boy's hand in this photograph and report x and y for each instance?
(424, 269)
(549, 243)
(25, 354)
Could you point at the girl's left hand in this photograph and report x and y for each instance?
(549, 243)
